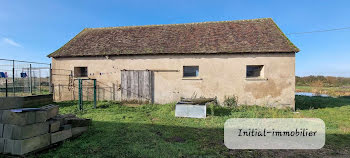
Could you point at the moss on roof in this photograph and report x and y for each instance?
(239, 36)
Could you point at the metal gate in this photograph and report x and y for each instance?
(137, 85)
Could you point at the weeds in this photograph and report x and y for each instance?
(230, 101)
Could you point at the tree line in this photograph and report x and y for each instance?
(327, 81)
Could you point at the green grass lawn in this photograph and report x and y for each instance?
(153, 131)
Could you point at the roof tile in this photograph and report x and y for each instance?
(240, 36)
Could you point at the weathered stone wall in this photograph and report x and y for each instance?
(219, 75)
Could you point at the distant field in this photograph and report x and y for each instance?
(43, 90)
(332, 91)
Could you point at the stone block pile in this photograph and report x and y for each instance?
(31, 129)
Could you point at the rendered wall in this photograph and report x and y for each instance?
(219, 75)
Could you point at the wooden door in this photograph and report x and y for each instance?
(137, 86)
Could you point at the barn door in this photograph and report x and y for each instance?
(137, 85)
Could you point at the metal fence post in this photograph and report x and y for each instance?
(33, 79)
(79, 93)
(13, 78)
(82, 96)
(39, 81)
(25, 81)
(95, 93)
(80, 105)
(6, 88)
(30, 79)
(50, 80)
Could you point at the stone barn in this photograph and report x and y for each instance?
(250, 59)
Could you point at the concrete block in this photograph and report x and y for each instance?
(54, 126)
(1, 112)
(18, 118)
(65, 127)
(24, 101)
(68, 116)
(2, 145)
(60, 136)
(1, 129)
(21, 147)
(8, 146)
(188, 110)
(10, 102)
(40, 116)
(37, 100)
(59, 118)
(62, 118)
(23, 132)
(78, 122)
(52, 110)
(78, 130)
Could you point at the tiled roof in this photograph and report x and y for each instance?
(240, 36)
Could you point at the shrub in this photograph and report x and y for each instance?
(230, 101)
(212, 105)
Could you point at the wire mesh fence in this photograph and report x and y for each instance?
(24, 78)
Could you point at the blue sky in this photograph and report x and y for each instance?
(29, 30)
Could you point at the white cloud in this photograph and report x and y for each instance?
(11, 42)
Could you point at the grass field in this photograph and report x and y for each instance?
(332, 91)
(153, 131)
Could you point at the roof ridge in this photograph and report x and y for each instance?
(193, 23)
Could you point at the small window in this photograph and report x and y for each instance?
(254, 70)
(190, 71)
(80, 72)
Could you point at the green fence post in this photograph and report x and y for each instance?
(80, 94)
(82, 98)
(95, 93)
